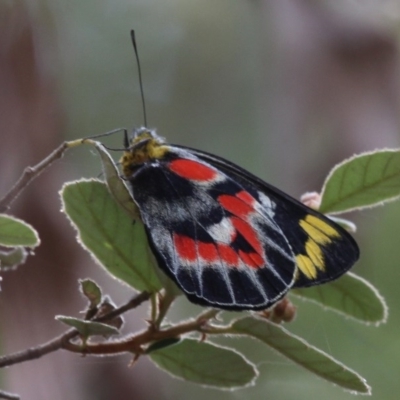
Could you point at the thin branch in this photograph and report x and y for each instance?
(30, 173)
(164, 305)
(59, 342)
(133, 344)
(38, 351)
(131, 304)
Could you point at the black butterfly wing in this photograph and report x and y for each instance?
(220, 244)
(323, 250)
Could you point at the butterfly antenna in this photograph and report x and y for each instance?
(126, 139)
(140, 75)
(109, 133)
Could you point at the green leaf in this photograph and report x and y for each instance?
(104, 229)
(365, 180)
(87, 328)
(12, 258)
(15, 232)
(206, 364)
(91, 290)
(350, 295)
(302, 353)
(116, 185)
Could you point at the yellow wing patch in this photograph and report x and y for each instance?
(315, 253)
(320, 234)
(306, 266)
(318, 230)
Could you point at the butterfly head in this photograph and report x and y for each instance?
(144, 146)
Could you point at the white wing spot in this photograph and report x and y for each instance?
(267, 205)
(222, 232)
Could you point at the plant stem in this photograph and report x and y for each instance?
(60, 342)
(134, 344)
(30, 173)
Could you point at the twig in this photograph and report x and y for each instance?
(133, 344)
(30, 173)
(38, 351)
(131, 304)
(59, 342)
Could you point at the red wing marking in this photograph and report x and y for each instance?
(246, 197)
(192, 170)
(248, 233)
(207, 251)
(228, 255)
(253, 260)
(185, 247)
(235, 205)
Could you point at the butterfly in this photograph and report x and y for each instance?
(228, 239)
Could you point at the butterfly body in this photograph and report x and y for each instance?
(225, 237)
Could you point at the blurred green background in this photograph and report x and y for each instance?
(284, 88)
